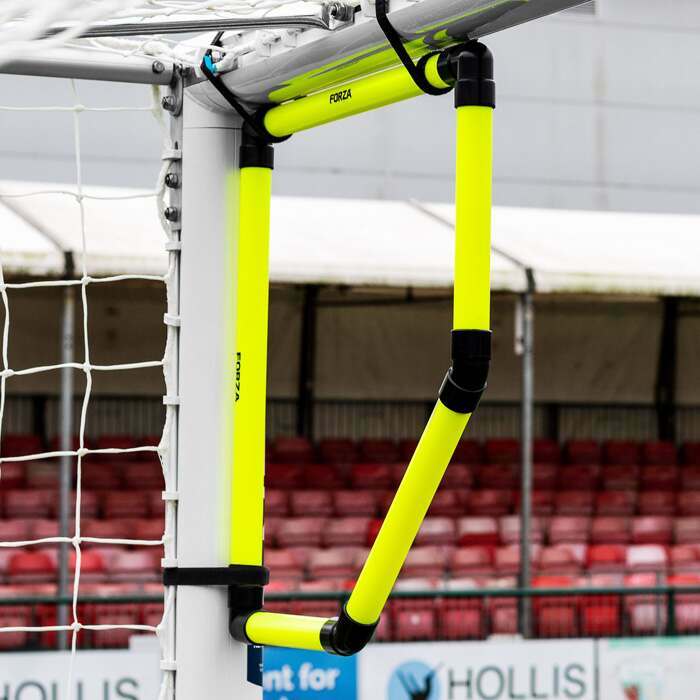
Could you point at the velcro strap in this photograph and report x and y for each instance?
(233, 575)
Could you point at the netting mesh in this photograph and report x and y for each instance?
(165, 449)
(38, 26)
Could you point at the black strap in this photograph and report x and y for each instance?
(394, 38)
(234, 575)
(251, 119)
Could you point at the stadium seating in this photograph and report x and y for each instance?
(337, 451)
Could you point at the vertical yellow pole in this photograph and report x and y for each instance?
(251, 367)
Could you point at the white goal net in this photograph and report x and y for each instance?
(31, 562)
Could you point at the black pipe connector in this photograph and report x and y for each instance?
(255, 152)
(470, 67)
(343, 636)
(466, 380)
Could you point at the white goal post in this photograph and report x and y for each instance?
(275, 51)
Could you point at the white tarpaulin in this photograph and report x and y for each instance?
(371, 243)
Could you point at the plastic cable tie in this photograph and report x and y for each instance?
(167, 665)
(171, 401)
(171, 320)
(170, 495)
(172, 246)
(172, 154)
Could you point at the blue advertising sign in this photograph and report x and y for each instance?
(292, 674)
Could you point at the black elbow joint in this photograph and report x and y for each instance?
(343, 636)
(466, 380)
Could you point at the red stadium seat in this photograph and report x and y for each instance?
(544, 476)
(133, 504)
(17, 530)
(113, 614)
(615, 503)
(502, 451)
(690, 477)
(542, 503)
(556, 616)
(657, 503)
(133, 566)
(685, 558)
(415, 619)
(489, 502)
(646, 613)
(144, 474)
(651, 529)
(30, 567)
(561, 559)
(506, 559)
(477, 531)
(659, 453)
(573, 503)
(621, 452)
(462, 617)
(148, 529)
(691, 453)
(610, 529)
(43, 528)
(20, 445)
(546, 451)
(101, 474)
(276, 502)
(13, 475)
(647, 557)
(372, 476)
(471, 561)
(582, 452)
(620, 477)
(355, 503)
(496, 476)
(379, 450)
(284, 476)
(14, 616)
(283, 565)
(601, 615)
(346, 531)
(509, 528)
(688, 503)
(108, 529)
(607, 558)
(468, 452)
(293, 450)
(578, 477)
(323, 476)
(29, 504)
(338, 563)
(428, 562)
(569, 529)
(659, 478)
(43, 474)
(304, 532)
(92, 566)
(156, 504)
(319, 608)
(447, 503)
(337, 451)
(277, 587)
(89, 504)
(152, 613)
(458, 476)
(311, 503)
(406, 449)
(439, 531)
(687, 604)
(687, 530)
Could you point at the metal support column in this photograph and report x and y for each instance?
(307, 363)
(65, 434)
(525, 347)
(665, 389)
(210, 664)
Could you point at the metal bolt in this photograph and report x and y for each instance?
(158, 67)
(172, 213)
(172, 180)
(168, 103)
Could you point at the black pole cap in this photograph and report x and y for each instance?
(255, 152)
(475, 85)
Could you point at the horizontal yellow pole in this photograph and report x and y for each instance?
(407, 511)
(279, 630)
(358, 96)
(250, 369)
(472, 287)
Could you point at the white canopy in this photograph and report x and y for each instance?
(369, 243)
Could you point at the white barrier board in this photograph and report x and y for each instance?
(98, 675)
(650, 669)
(499, 670)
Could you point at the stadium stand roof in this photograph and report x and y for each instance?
(369, 243)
